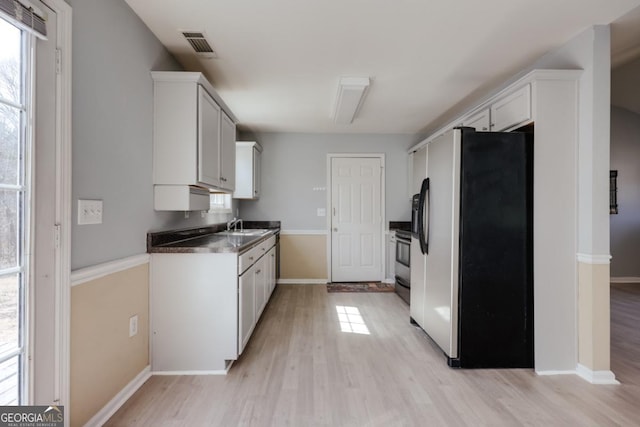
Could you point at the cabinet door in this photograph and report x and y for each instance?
(246, 307)
(512, 110)
(260, 285)
(391, 256)
(272, 270)
(227, 153)
(257, 170)
(208, 139)
(480, 121)
(419, 169)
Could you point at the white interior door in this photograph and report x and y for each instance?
(356, 219)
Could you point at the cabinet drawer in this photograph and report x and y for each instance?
(269, 243)
(264, 247)
(248, 258)
(252, 255)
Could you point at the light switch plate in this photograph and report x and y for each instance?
(89, 212)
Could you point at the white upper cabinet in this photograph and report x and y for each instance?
(512, 110)
(193, 135)
(504, 114)
(248, 169)
(209, 143)
(227, 153)
(481, 121)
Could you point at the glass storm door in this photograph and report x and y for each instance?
(14, 195)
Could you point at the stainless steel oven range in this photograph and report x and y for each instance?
(403, 264)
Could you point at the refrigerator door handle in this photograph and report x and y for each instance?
(424, 191)
(427, 214)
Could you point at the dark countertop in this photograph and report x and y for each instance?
(400, 225)
(207, 239)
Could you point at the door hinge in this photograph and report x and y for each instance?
(58, 61)
(56, 231)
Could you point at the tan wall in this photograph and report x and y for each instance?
(103, 357)
(303, 256)
(593, 316)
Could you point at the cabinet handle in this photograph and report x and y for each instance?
(250, 258)
(258, 272)
(263, 249)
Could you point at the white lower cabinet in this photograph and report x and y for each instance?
(246, 307)
(204, 306)
(272, 271)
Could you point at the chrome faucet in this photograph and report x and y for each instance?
(234, 223)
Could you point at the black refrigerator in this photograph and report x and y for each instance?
(475, 248)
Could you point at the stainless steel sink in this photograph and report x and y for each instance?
(247, 232)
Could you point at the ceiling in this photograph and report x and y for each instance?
(279, 61)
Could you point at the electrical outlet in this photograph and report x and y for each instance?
(89, 212)
(133, 325)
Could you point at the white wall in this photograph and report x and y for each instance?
(625, 226)
(113, 53)
(625, 86)
(591, 52)
(294, 168)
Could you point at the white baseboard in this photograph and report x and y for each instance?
(389, 281)
(119, 399)
(594, 258)
(302, 281)
(549, 373)
(220, 372)
(625, 280)
(596, 377)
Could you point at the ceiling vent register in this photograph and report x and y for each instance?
(199, 43)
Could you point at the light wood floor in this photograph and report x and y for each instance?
(301, 370)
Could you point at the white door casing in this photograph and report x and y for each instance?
(45, 328)
(356, 213)
(59, 360)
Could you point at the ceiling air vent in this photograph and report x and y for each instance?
(199, 43)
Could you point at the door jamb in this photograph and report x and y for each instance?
(381, 156)
(63, 205)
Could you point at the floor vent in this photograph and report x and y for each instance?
(199, 43)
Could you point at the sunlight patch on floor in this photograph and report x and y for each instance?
(351, 320)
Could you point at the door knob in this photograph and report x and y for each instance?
(335, 229)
